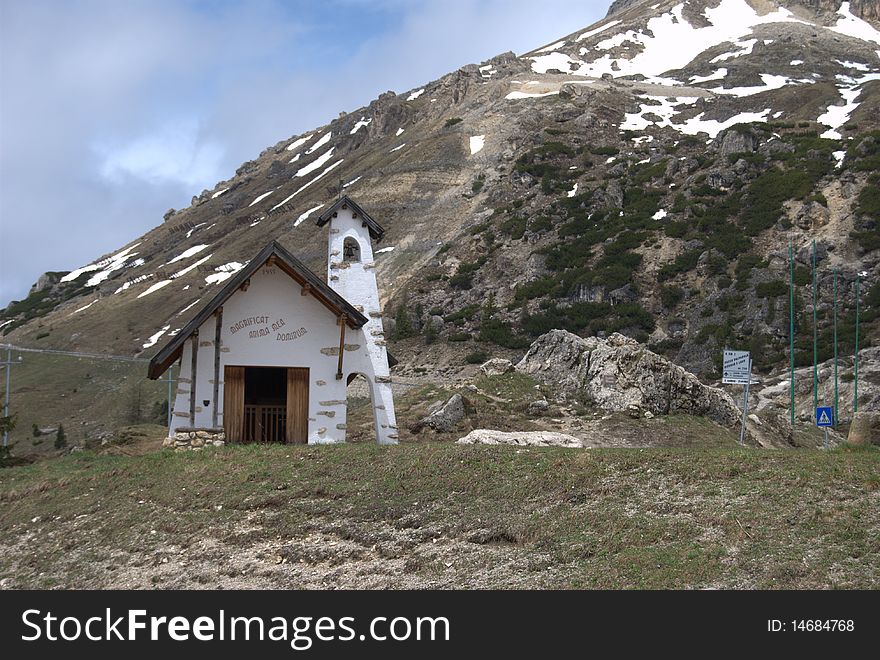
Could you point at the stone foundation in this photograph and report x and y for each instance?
(195, 439)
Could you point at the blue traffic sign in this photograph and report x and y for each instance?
(825, 416)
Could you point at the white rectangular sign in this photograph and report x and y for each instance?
(737, 368)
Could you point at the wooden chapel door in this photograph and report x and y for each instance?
(233, 403)
(297, 426)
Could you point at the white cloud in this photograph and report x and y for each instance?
(123, 110)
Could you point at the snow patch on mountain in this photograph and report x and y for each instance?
(224, 272)
(720, 74)
(595, 31)
(260, 198)
(558, 44)
(770, 81)
(316, 164)
(154, 338)
(837, 115)
(328, 169)
(360, 124)
(108, 265)
(187, 253)
(528, 95)
(154, 288)
(853, 26)
(668, 42)
(198, 263)
(476, 143)
(298, 143)
(320, 143)
(305, 215)
(76, 311)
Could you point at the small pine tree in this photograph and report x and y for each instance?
(60, 438)
(430, 332)
(135, 413)
(403, 327)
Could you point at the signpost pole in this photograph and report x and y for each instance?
(824, 418)
(815, 336)
(6, 400)
(742, 430)
(791, 325)
(856, 366)
(835, 349)
(170, 402)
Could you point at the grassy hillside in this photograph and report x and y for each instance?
(441, 515)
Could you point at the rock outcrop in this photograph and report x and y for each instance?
(522, 438)
(619, 375)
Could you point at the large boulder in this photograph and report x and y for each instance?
(865, 429)
(521, 438)
(620, 375)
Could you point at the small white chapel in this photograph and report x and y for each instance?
(270, 357)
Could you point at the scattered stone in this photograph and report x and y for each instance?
(496, 367)
(522, 438)
(539, 407)
(446, 417)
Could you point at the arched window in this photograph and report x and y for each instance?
(351, 250)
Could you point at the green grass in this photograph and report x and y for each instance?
(660, 518)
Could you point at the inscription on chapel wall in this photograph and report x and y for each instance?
(258, 327)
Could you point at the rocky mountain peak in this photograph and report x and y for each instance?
(642, 175)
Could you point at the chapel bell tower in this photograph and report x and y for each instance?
(352, 274)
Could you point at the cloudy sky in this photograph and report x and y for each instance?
(112, 112)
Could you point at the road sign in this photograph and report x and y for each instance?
(824, 416)
(737, 368)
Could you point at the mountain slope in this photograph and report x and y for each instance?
(643, 175)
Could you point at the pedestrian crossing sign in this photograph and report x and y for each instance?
(824, 416)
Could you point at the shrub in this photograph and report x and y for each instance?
(869, 201)
(60, 438)
(403, 327)
(683, 263)
(675, 229)
(477, 357)
(670, 296)
(463, 278)
(802, 276)
(767, 193)
(465, 313)
(772, 289)
(535, 288)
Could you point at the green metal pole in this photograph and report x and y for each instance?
(835, 349)
(815, 337)
(791, 323)
(856, 370)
